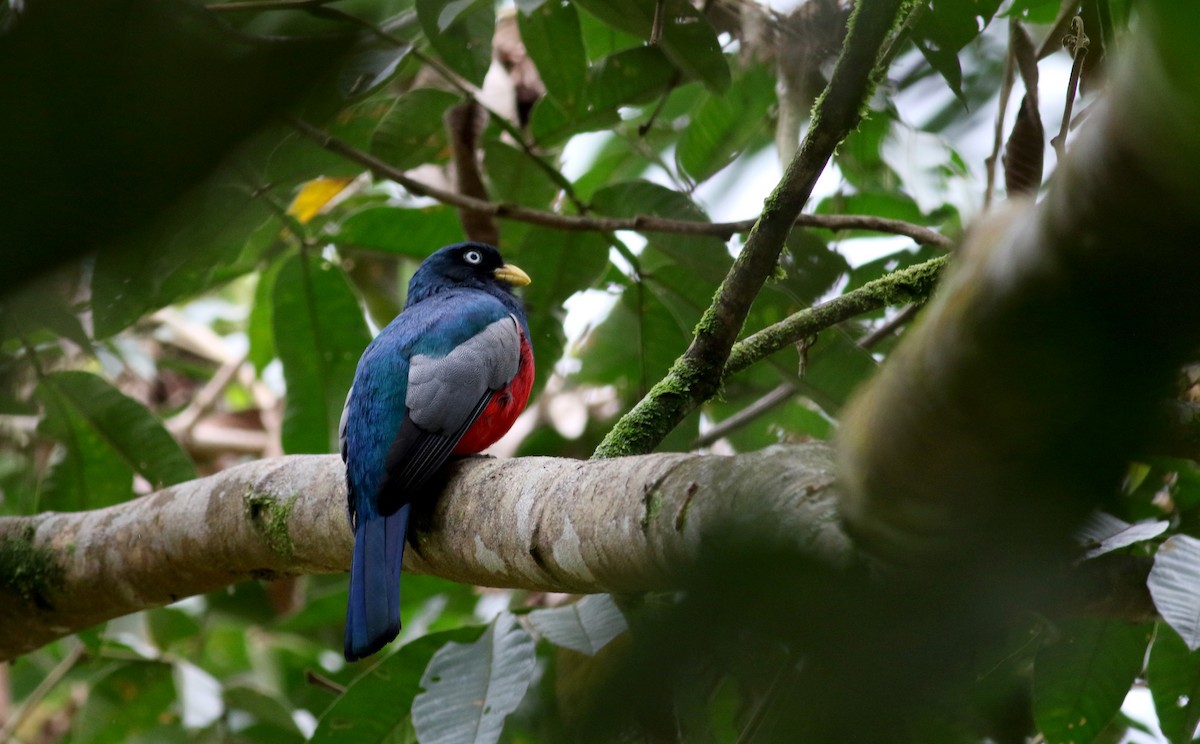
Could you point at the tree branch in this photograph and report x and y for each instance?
(984, 438)
(620, 525)
(696, 375)
(589, 223)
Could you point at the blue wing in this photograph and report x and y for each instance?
(418, 388)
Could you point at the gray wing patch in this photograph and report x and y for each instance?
(444, 392)
(342, 423)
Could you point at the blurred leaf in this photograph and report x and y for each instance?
(37, 306)
(314, 195)
(1080, 680)
(319, 334)
(688, 39)
(370, 66)
(631, 76)
(893, 204)
(1103, 533)
(1173, 675)
(835, 367)
(86, 413)
(585, 626)
(469, 689)
(948, 27)
(553, 39)
(260, 327)
(1173, 581)
(404, 231)
(560, 264)
(811, 268)
(515, 178)
(723, 126)
(130, 702)
(170, 625)
(601, 39)
(860, 156)
(461, 31)
(196, 244)
(1034, 11)
(412, 132)
(377, 703)
(116, 107)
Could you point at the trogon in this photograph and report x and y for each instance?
(448, 376)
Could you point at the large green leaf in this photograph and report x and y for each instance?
(722, 126)
(948, 27)
(198, 243)
(631, 76)
(107, 436)
(688, 39)
(402, 231)
(319, 334)
(132, 702)
(413, 132)
(1173, 674)
(553, 39)
(461, 31)
(376, 705)
(560, 264)
(471, 688)
(1080, 680)
(1173, 581)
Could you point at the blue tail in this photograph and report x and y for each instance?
(373, 614)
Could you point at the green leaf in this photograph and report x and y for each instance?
(403, 231)
(1033, 11)
(461, 31)
(513, 177)
(1173, 581)
(1173, 674)
(688, 39)
(196, 244)
(836, 366)
(377, 703)
(469, 689)
(370, 66)
(413, 133)
(628, 77)
(132, 700)
(553, 39)
(722, 126)
(260, 328)
(100, 426)
(319, 334)
(560, 264)
(860, 156)
(1080, 681)
(948, 27)
(585, 626)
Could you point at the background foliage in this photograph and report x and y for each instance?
(216, 272)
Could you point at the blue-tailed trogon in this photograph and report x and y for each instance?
(448, 376)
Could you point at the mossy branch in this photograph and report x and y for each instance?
(696, 375)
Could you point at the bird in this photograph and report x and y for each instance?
(448, 376)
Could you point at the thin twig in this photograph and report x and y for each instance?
(265, 5)
(747, 415)
(40, 692)
(1077, 43)
(656, 27)
(888, 328)
(182, 423)
(585, 223)
(1006, 87)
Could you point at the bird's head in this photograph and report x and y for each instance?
(475, 265)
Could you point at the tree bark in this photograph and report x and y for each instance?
(550, 524)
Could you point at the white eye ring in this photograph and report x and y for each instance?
(473, 257)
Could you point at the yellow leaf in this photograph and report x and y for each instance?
(314, 195)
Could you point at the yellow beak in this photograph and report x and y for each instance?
(512, 275)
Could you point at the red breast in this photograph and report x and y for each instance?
(502, 410)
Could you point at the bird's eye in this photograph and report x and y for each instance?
(472, 257)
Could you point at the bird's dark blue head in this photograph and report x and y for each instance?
(473, 265)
